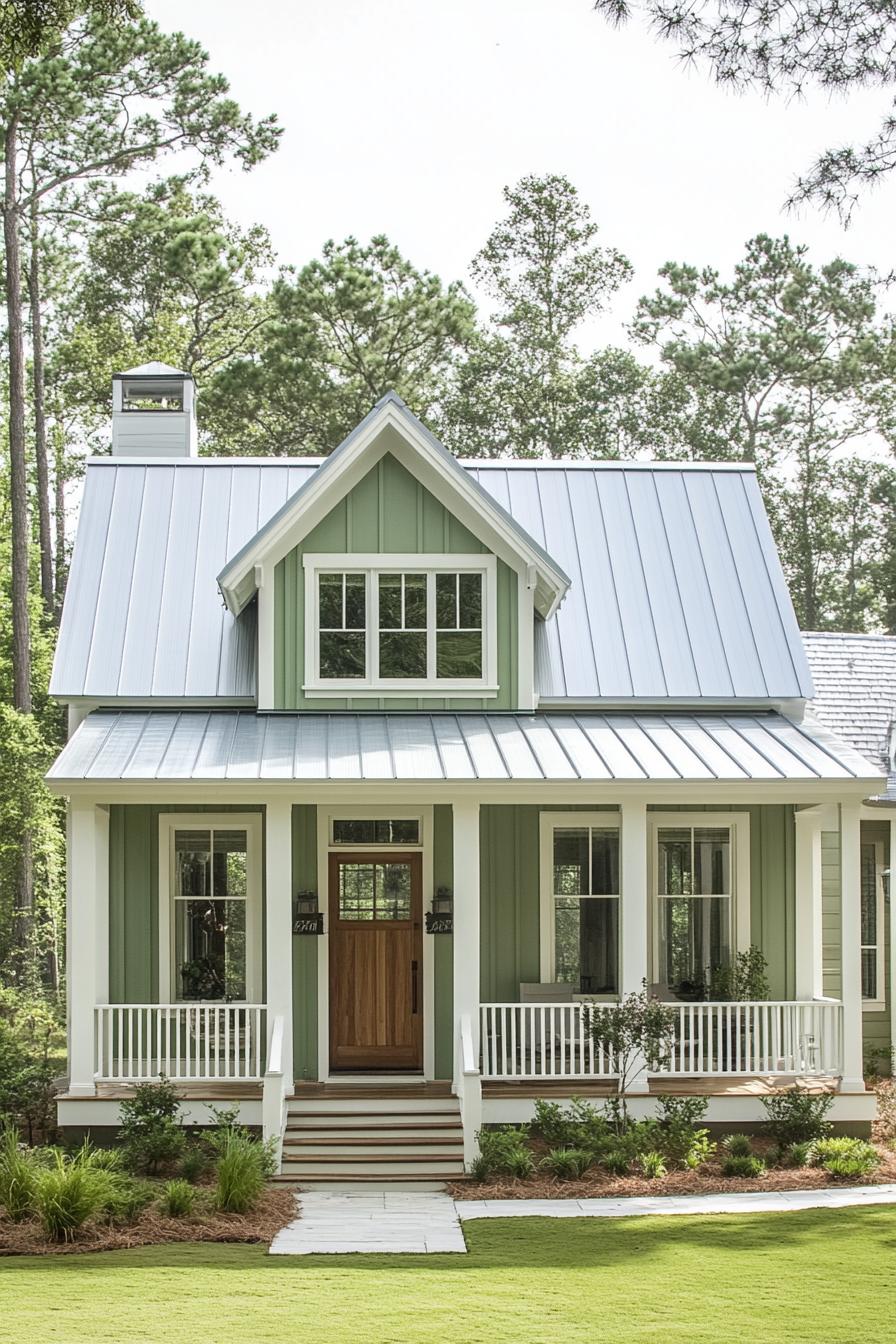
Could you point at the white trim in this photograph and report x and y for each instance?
(850, 944)
(739, 826)
(251, 822)
(525, 653)
(265, 655)
(548, 822)
(879, 1003)
(440, 475)
(371, 565)
(808, 959)
(326, 847)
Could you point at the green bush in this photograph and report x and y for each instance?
(844, 1157)
(591, 1129)
(700, 1151)
(66, 1195)
(125, 1198)
(617, 1160)
(479, 1169)
(737, 1145)
(18, 1175)
(796, 1155)
(177, 1199)
(653, 1165)
(797, 1116)
(743, 1165)
(242, 1168)
(504, 1152)
(32, 1054)
(151, 1136)
(567, 1164)
(581, 1126)
(194, 1164)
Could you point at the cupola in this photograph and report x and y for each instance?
(153, 412)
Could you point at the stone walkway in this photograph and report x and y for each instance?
(373, 1221)
(410, 1223)
(760, 1201)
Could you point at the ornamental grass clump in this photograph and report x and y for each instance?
(178, 1198)
(66, 1195)
(744, 1165)
(18, 1175)
(567, 1164)
(737, 1145)
(243, 1165)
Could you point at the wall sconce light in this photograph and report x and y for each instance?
(440, 919)
(307, 919)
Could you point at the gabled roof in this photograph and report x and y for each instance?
(426, 458)
(676, 591)
(855, 689)
(154, 369)
(631, 748)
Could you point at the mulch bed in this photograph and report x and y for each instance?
(274, 1210)
(707, 1181)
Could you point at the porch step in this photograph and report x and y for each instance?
(362, 1135)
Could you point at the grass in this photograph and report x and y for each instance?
(794, 1277)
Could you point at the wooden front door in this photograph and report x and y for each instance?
(376, 961)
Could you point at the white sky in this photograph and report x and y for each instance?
(408, 117)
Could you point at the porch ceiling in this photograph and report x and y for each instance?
(632, 748)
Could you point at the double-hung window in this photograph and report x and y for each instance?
(698, 872)
(580, 901)
(872, 899)
(399, 622)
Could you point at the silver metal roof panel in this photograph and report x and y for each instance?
(242, 745)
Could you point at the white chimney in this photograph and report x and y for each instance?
(154, 412)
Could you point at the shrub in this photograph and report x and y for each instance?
(552, 1124)
(479, 1169)
(652, 1165)
(700, 1151)
(617, 1160)
(177, 1199)
(737, 1145)
(797, 1116)
(796, 1155)
(243, 1166)
(500, 1151)
(885, 1127)
(521, 1164)
(591, 1129)
(150, 1134)
(194, 1164)
(66, 1195)
(125, 1199)
(743, 1165)
(844, 1157)
(567, 1164)
(677, 1135)
(18, 1175)
(681, 1111)
(581, 1126)
(32, 1054)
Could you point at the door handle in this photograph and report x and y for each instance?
(413, 987)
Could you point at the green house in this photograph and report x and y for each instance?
(383, 767)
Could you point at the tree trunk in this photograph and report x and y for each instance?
(18, 485)
(40, 420)
(18, 493)
(59, 511)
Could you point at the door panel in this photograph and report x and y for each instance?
(376, 993)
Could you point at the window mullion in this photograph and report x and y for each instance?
(372, 633)
(431, 625)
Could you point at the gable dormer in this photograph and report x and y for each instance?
(392, 579)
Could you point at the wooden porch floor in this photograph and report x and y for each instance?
(748, 1085)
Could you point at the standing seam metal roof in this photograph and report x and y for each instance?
(677, 593)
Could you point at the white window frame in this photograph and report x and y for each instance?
(372, 565)
(250, 822)
(879, 1003)
(548, 823)
(738, 824)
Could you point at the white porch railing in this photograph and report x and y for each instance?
(274, 1090)
(187, 1042)
(469, 1090)
(552, 1041)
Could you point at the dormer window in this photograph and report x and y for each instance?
(400, 622)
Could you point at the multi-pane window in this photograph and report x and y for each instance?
(374, 891)
(872, 911)
(694, 906)
(342, 626)
(585, 898)
(392, 626)
(376, 831)
(209, 899)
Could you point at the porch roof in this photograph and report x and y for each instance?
(152, 745)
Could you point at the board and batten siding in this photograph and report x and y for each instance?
(388, 511)
(875, 1025)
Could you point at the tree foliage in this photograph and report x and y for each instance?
(788, 47)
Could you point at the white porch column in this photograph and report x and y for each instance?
(466, 972)
(278, 925)
(634, 907)
(851, 947)
(87, 942)
(808, 904)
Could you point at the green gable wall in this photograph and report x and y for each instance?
(388, 511)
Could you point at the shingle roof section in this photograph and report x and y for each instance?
(855, 688)
(677, 594)
(159, 745)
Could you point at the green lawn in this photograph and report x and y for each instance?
(821, 1276)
